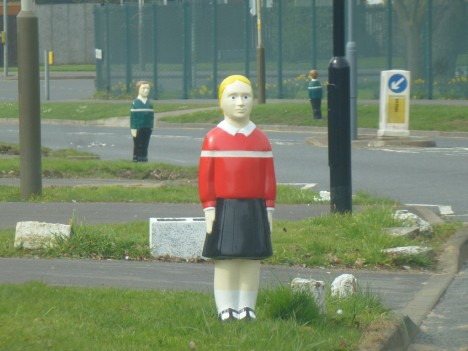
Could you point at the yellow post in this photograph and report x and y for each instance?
(51, 57)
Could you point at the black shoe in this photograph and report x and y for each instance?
(228, 315)
(247, 314)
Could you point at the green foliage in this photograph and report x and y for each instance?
(204, 90)
(328, 241)
(91, 168)
(292, 88)
(354, 241)
(452, 89)
(108, 193)
(113, 241)
(180, 192)
(44, 317)
(449, 118)
(89, 111)
(284, 303)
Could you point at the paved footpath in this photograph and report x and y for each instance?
(446, 326)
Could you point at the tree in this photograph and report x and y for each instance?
(411, 14)
(448, 32)
(449, 36)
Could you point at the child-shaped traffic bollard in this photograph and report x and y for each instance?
(237, 188)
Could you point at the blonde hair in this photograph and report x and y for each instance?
(230, 80)
(313, 74)
(140, 83)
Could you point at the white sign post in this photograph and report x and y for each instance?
(394, 103)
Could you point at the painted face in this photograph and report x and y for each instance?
(144, 90)
(237, 101)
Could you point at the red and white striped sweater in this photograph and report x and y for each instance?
(236, 164)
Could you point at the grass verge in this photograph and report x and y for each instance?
(332, 241)
(56, 318)
(71, 164)
(422, 117)
(89, 111)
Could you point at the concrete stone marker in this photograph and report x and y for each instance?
(36, 235)
(409, 232)
(344, 285)
(316, 289)
(410, 220)
(177, 237)
(407, 250)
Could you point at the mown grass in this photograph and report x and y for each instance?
(182, 192)
(164, 182)
(42, 317)
(353, 241)
(73, 164)
(89, 111)
(422, 117)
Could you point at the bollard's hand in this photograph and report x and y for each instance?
(270, 218)
(210, 215)
(134, 132)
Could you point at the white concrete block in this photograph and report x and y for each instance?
(409, 232)
(177, 237)
(316, 288)
(407, 250)
(410, 219)
(344, 285)
(35, 235)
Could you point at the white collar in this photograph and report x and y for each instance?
(228, 128)
(142, 99)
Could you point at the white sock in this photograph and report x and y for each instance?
(226, 299)
(247, 299)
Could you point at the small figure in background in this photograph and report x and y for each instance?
(141, 122)
(237, 188)
(315, 94)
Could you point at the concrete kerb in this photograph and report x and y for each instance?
(413, 314)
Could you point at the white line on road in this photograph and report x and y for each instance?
(444, 210)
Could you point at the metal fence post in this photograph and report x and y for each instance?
(280, 49)
(390, 35)
(187, 50)
(314, 35)
(98, 47)
(215, 48)
(260, 56)
(351, 56)
(128, 52)
(247, 32)
(428, 46)
(107, 49)
(155, 52)
(5, 44)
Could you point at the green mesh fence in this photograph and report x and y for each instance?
(185, 48)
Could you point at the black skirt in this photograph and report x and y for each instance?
(240, 230)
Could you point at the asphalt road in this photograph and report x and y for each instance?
(66, 88)
(431, 176)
